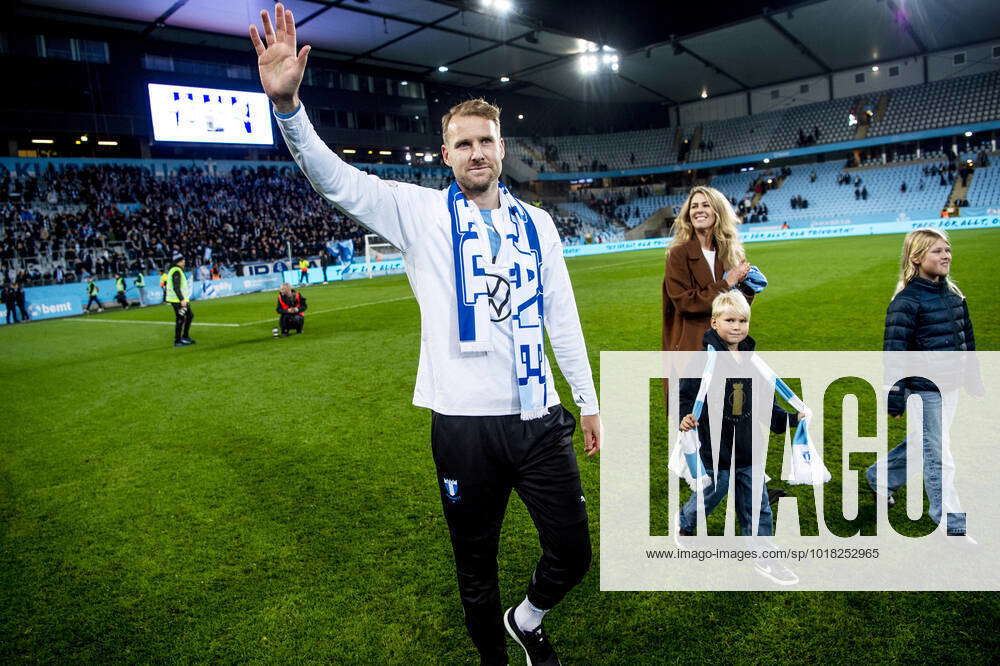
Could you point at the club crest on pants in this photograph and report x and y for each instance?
(451, 489)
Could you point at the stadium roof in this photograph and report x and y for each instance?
(666, 54)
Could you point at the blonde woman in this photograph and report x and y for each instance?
(927, 313)
(704, 260)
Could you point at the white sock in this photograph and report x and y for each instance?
(527, 616)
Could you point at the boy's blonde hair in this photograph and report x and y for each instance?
(731, 301)
(915, 247)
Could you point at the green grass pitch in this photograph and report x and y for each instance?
(263, 500)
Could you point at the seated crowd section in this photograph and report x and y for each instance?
(946, 103)
(103, 219)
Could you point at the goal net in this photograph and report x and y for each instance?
(378, 249)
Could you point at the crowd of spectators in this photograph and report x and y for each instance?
(748, 212)
(101, 220)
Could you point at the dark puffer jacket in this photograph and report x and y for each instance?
(925, 316)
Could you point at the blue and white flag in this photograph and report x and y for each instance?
(345, 250)
(807, 465)
(685, 459)
(755, 279)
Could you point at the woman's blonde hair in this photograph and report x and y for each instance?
(727, 239)
(915, 247)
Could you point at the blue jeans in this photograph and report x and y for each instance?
(937, 467)
(744, 503)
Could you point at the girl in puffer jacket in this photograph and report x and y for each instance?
(928, 314)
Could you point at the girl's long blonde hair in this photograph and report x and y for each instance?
(915, 246)
(727, 239)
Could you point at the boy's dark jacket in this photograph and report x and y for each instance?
(736, 411)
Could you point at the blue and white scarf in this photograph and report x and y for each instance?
(519, 260)
(807, 465)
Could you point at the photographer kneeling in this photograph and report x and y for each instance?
(291, 305)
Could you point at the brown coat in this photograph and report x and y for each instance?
(688, 292)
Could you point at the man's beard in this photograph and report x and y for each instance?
(477, 187)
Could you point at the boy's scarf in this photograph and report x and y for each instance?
(685, 461)
(519, 261)
(755, 279)
(807, 465)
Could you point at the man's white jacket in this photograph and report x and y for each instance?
(416, 220)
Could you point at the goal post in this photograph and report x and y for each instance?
(378, 249)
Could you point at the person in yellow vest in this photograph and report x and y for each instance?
(178, 294)
(120, 291)
(163, 284)
(304, 271)
(140, 285)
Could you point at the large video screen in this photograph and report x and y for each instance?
(208, 115)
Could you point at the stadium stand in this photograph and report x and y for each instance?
(594, 152)
(736, 186)
(101, 219)
(589, 222)
(639, 209)
(985, 187)
(831, 195)
(828, 199)
(946, 103)
(970, 99)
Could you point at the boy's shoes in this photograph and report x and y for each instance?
(890, 500)
(179, 344)
(775, 571)
(538, 650)
(187, 341)
(681, 535)
(774, 494)
(962, 539)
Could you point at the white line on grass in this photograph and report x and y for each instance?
(318, 312)
(607, 266)
(140, 321)
(246, 323)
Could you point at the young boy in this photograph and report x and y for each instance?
(729, 333)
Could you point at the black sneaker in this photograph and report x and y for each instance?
(537, 648)
(187, 341)
(774, 494)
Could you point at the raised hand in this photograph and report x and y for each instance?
(738, 273)
(280, 67)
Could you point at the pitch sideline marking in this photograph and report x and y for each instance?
(246, 323)
(139, 321)
(606, 266)
(319, 312)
